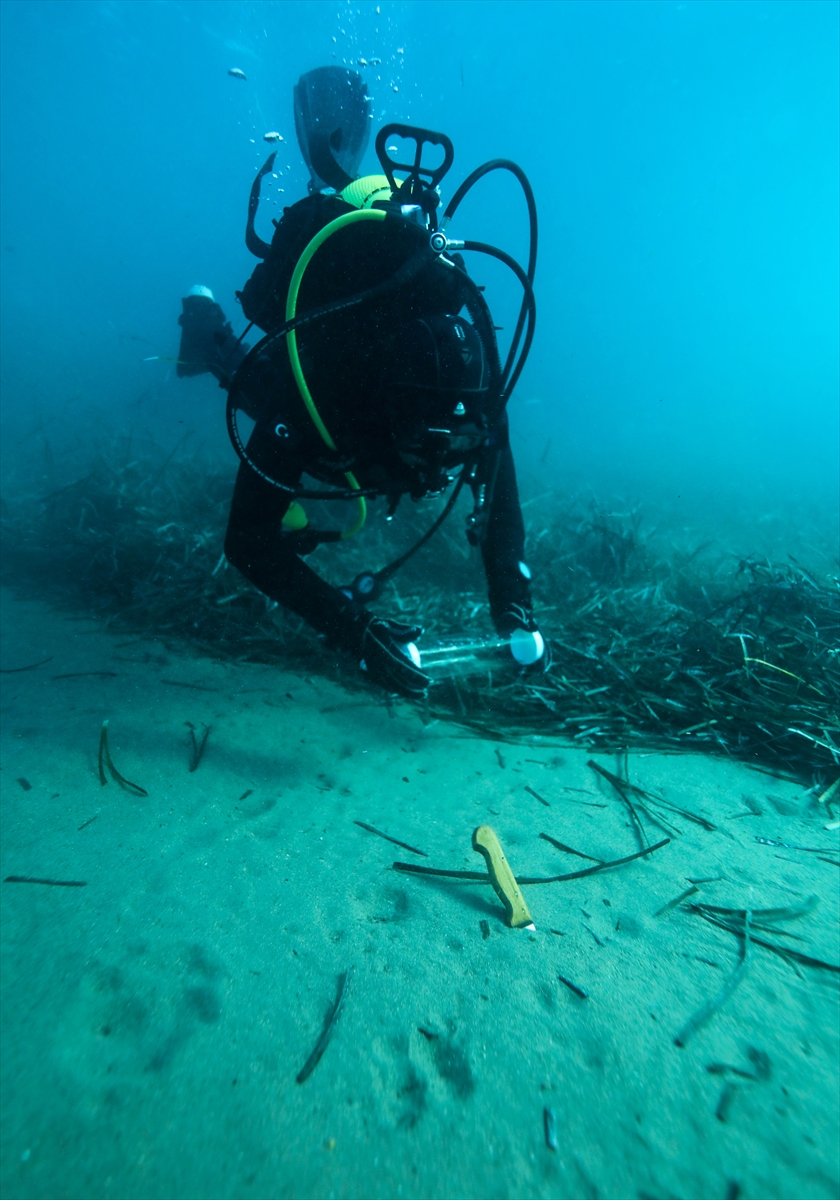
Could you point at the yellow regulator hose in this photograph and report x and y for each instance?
(363, 214)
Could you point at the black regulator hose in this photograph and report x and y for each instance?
(527, 309)
(502, 164)
(509, 380)
(374, 581)
(482, 319)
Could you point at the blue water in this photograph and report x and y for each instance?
(684, 158)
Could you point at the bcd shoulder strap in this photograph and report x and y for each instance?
(263, 297)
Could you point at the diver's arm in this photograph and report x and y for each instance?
(207, 340)
(503, 551)
(257, 545)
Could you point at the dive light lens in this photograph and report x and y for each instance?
(527, 648)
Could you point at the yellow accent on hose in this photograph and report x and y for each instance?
(363, 214)
(295, 518)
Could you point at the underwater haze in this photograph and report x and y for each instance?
(684, 159)
(248, 941)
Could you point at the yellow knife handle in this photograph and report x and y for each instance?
(485, 842)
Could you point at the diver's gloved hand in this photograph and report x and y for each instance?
(207, 340)
(201, 318)
(385, 660)
(527, 644)
(383, 649)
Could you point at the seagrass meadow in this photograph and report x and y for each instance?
(659, 638)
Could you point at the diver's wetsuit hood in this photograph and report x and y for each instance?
(332, 122)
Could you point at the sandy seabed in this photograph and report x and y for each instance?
(154, 1021)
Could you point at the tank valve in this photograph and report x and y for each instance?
(440, 242)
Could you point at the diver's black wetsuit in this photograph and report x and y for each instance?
(355, 362)
(265, 554)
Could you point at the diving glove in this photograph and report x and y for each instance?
(383, 649)
(391, 659)
(207, 340)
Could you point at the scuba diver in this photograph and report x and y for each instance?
(379, 376)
